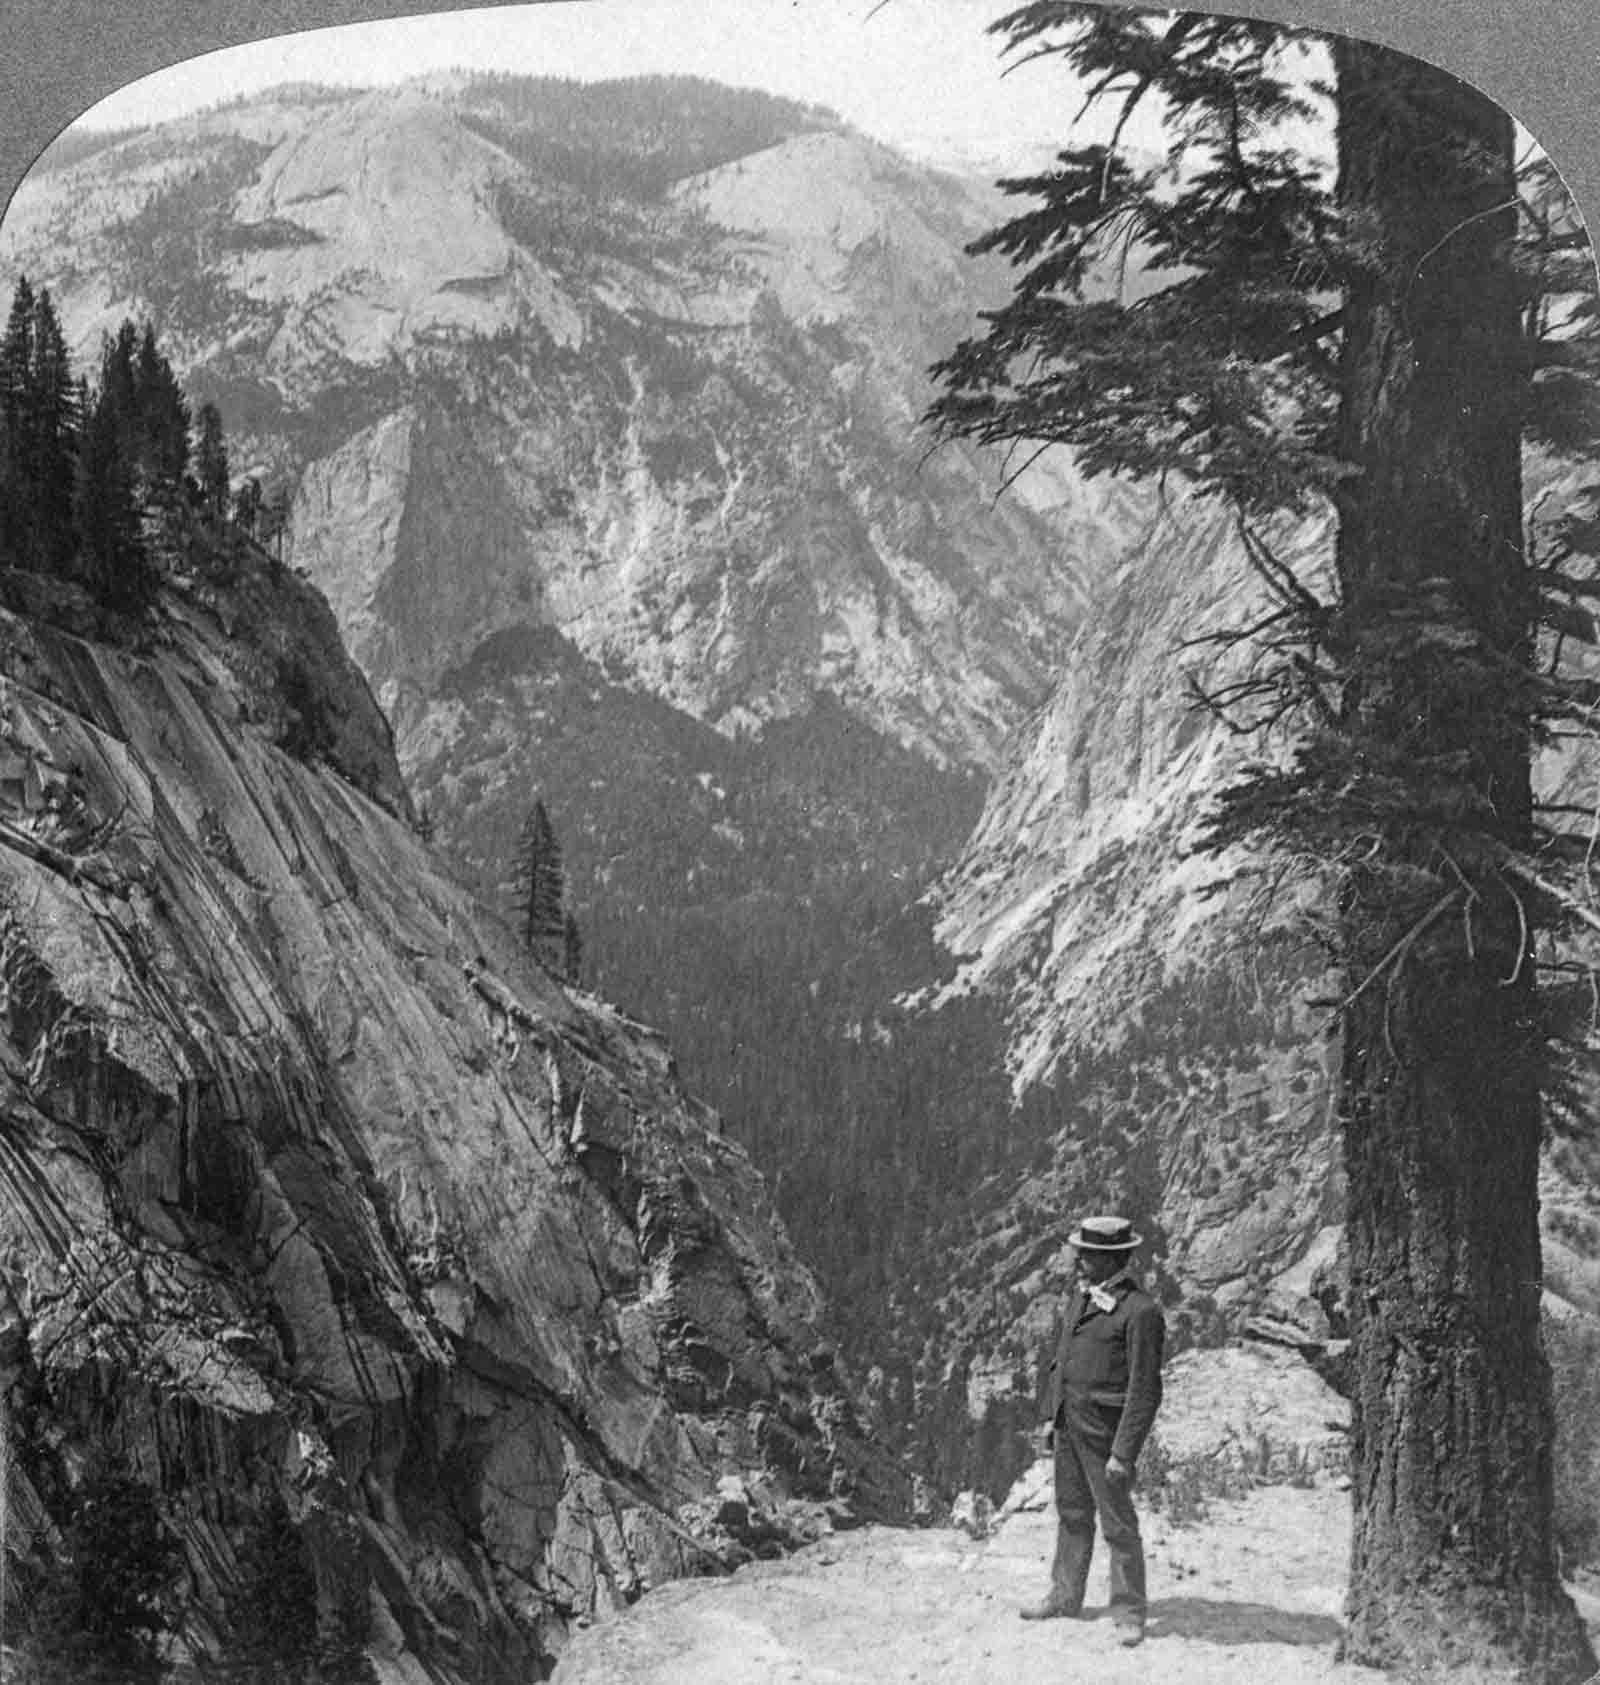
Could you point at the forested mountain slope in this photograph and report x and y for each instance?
(593, 412)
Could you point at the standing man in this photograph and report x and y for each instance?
(1102, 1392)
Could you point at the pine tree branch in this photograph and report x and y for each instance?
(1397, 952)
(1522, 932)
(1230, 637)
(1007, 478)
(1279, 576)
(1556, 893)
(1444, 239)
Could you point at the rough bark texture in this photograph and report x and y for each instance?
(1452, 1553)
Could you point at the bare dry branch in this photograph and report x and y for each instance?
(1398, 951)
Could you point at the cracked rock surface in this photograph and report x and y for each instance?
(314, 1189)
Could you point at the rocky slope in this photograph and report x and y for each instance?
(1175, 1005)
(318, 1199)
(597, 410)
(525, 361)
(1166, 991)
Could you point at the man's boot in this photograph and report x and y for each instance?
(1052, 1609)
(1069, 1574)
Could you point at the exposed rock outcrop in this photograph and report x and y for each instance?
(315, 1190)
(1175, 1002)
(520, 370)
(596, 413)
(1171, 996)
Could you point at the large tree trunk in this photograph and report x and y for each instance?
(1452, 1552)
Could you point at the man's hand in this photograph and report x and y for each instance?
(1117, 1470)
(1044, 1440)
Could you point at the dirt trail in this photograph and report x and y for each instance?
(1253, 1592)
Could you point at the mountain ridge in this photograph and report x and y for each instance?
(457, 247)
(620, 502)
(704, 479)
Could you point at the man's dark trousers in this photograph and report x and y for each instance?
(1083, 1434)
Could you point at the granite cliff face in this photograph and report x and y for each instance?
(317, 1195)
(1164, 988)
(598, 418)
(641, 365)
(597, 411)
(1173, 1003)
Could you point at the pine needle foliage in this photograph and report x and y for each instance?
(542, 890)
(94, 479)
(1370, 332)
(1230, 371)
(95, 1614)
(1222, 372)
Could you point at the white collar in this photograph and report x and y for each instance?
(1100, 1294)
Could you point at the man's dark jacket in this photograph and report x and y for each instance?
(1106, 1373)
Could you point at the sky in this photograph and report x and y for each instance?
(918, 74)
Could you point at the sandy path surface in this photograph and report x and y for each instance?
(1252, 1593)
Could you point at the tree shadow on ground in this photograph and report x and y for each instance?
(1213, 1621)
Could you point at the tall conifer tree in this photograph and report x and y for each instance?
(119, 388)
(571, 949)
(116, 564)
(543, 889)
(273, 520)
(211, 463)
(16, 351)
(55, 427)
(18, 513)
(1356, 345)
(163, 424)
(39, 411)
